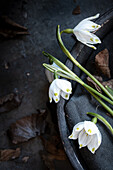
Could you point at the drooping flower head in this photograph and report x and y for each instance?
(83, 32)
(87, 134)
(59, 87)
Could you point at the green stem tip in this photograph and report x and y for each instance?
(94, 120)
(68, 31)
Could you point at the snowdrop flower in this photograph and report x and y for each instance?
(88, 135)
(59, 87)
(83, 32)
(49, 74)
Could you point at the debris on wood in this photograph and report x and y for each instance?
(10, 102)
(93, 84)
(28, 127)
(102, 62)
(9, 154)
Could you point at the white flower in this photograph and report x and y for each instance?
(59, 87)
(49, 74)
(83, 32)
(88, 135)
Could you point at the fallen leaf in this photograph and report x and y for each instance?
(53, 150)
(10, 29)
(28, 127)
(76, 10)
(102, 62)
(8, 154)
(10, 102)
(93, 84)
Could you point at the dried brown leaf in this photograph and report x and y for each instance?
(10, 102)
(28, 127)
(102, 63)
(108, 83)
(8, 154)
(76, 10)
(93, 84)
(10, 29)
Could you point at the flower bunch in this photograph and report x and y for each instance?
(59, 87)
(84, 32)
(86, 132)
(88, 135)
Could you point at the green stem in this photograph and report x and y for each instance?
(60, 64)
(97, 93)
(55, 75)
(88, 88)
(103, 120)
(68, 54)
(67, 73)
(101, 102)
(68, 31)
(63, 73)
(74, 76)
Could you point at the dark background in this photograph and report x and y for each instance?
(24, 57)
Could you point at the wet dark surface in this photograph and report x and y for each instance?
(25, 73)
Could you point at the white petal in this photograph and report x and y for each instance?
(65, 95)
(90, 127)
(79, 126)
(92, 38)
(53, 87)
(83, 32)
(64, 85)
(56, 98)
(76, 129)
(99, 137)
(54, 91)
(55, 65)
(74, 135)
(87, 37)
(86, 22)
(93, 17)
(84, 139)
(92, 46)
(50, 96)
(49, 75)
(95, 142)
(87, 25)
